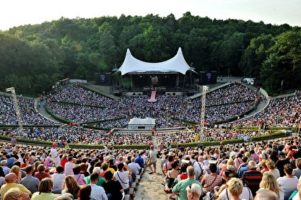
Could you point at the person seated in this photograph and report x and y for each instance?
(265, 194)
(288, 183)
(45, 188)
(194, 192)
(171, 175)
(235, 191)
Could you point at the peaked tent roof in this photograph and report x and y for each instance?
(134, 65)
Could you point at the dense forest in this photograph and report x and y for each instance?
(33, 57)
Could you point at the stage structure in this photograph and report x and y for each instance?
(170, 75)
(141, 124)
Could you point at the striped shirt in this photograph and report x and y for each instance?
(251, 179)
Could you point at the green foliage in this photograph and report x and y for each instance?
(33, 57)
(143, 146)
(282, 68)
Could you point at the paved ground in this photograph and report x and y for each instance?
(150, 187)
(43, 112)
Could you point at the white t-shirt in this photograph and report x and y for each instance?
(153, 155)
(69, 168)
(123, 178)
(55, 157)
(58, 181)
(135, 167)
(246, 194)
(98, 193)
(287, 184)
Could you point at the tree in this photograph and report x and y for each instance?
(254, 55)
(282, 68)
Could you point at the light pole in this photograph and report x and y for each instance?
(17, 108)
(203, 106)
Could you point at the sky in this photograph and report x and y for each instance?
(21, 12)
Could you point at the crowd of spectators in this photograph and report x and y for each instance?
(73, 93)
(66, 135)
(28, 113)
(281, 112)
(169, 111)
(256, 170)
(262, 170)
(43, 173)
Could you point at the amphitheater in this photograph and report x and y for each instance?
(89, 125)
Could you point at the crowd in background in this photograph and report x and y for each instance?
(169, 111)
(29, 115)
(281, 112)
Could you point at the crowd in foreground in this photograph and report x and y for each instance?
(39, 173)
(241, 171)
(263, 170)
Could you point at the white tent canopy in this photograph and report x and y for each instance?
(139, 123)
(175, 64)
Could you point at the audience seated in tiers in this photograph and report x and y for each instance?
(281, 112)
(80, 105)
(28, 113)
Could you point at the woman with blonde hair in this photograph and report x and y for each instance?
(269, 182)
(272, 168)
(16, 170)
(235, 191)
(71, 186)
(194, 192)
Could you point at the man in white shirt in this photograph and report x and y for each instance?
(153, 159)
(97, 192)
(196, 166)
(123, 177)
(288, 183)
(58, 179)
(55, 155)
(69, 167)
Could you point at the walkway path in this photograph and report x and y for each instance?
(41, 109)
(150, 186)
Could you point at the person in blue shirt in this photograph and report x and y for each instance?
(140, 160)
(243, 167)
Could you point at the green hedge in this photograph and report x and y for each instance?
(142, 146)
(77, 104)
(269, 137)
(27, 141)
(27, 126)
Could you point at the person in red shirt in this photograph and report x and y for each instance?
(40, 174)
(64, 160)
(183, 172)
